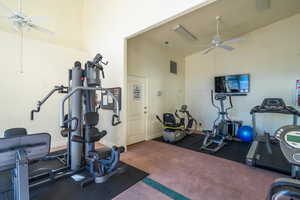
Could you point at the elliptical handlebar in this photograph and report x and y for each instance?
(213, 102)
(230, 103)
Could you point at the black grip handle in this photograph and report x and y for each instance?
(102, 72)
(33, 111)
(158, 118)
(114, 122)
(32, 115)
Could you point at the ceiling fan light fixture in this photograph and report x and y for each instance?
(184, 33)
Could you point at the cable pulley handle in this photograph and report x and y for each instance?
(34, 111)
(102, 72)
(115, 120)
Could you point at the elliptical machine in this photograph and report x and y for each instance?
(215, 138)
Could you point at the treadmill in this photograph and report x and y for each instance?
(288, 188)
(265, 150)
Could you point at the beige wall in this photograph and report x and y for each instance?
(45, 65)
(62, 17)
(152, 61)
(46, 62)
(106, 25)
(272, 57)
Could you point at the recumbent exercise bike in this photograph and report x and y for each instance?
(175, 131)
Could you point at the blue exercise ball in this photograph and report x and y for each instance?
(245, 133)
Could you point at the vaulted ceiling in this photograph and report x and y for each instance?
(238, 18)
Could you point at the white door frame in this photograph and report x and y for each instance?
(146, 92)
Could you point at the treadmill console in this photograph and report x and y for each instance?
(289, 137)
(273, 103)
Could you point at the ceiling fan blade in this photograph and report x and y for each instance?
(234, 40)
(226, 47)
(39, 28)
(7, 9)
(208, 50)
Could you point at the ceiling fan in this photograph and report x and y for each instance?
(22, 22)
(217, 42)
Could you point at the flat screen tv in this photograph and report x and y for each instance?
(238, 83)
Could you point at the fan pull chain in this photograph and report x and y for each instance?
(21, 52)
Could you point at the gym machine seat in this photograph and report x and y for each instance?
(17, 149)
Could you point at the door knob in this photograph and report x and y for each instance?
(145, 112)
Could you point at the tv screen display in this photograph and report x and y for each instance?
(239, 83)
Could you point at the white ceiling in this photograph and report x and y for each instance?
(238, 18)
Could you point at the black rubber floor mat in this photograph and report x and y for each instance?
(233, 150)
(68, 189)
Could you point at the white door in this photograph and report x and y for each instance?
(137, 109)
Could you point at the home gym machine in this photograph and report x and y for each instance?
(79, 126)
(265, 150)
(288, 188)
(215, 139)
(175, 131)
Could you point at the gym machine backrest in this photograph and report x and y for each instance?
(17, 149)
(169, 121)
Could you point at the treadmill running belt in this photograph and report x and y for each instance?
(275, 161)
